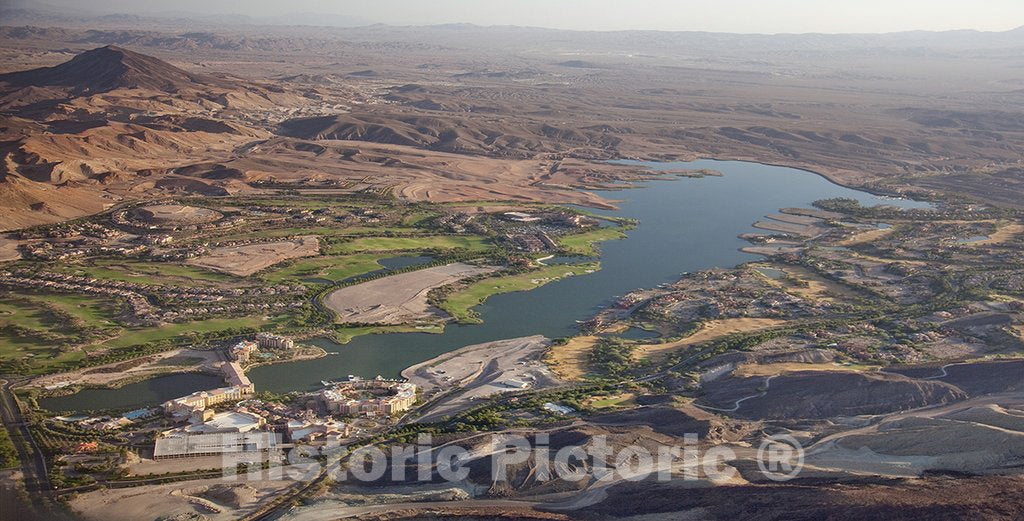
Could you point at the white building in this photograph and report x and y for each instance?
(184, 445)
(320, 430)
(227, 422)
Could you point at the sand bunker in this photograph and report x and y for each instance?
(248, 259)
(397, 299)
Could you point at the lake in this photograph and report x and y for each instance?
(686, 225)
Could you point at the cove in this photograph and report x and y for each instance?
(147, 392)
(686, 225)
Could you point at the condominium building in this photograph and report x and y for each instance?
(369, 397)
(200, 400)
(270, 341)
(241, 351)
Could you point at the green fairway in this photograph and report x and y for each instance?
(448, 242)
(181, 331)
(344, 335)
(158, 273)
(29, 310)
(91, 310)
(324, 231)
(32, 332)
(417, 217)
(459, 303)
(583, 243)
(178, 270)
(334, 268)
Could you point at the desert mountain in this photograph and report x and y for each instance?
(86, 133)
(497, 136)
(111, 67)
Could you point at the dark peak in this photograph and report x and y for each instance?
(111, 67)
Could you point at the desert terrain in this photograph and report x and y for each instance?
(534, 115)
(177, 188)
(480, 371)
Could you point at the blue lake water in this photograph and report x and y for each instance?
(686, 224)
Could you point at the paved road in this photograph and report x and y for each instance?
(33, 462)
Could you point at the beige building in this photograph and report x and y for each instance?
(200, 400)
(270, 341)
(376, 397)
(241, 351)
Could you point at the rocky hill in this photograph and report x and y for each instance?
(107, 68)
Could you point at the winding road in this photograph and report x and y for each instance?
(736, 406)
(943, 372)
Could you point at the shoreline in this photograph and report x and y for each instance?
(311, 352)
(322, 352)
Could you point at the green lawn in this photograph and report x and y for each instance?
(160, 273)
(583, 243)
(170, 331)
(460, 303)
(178, 270)
(46, 355)
(325, 231)
(335, 268)
(94, 311)
(31, 317)
(415, 218)
(26, 310)
(613, 401)
(449, 242)
(344, 335)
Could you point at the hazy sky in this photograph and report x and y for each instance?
(764, 16)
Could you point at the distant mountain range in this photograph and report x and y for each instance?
(33, 12)
(21, 12)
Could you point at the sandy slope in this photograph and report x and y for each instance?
(396, 299)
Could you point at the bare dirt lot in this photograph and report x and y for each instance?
(865, 236)
(569, 361)
(248, 259)
(786, 367)
(399, 298)
(482, 370)
(175, 214)
(712, 329)
(1003, 234)
(175, 360)
(817, 287)
(9, 249)
(212, 499)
